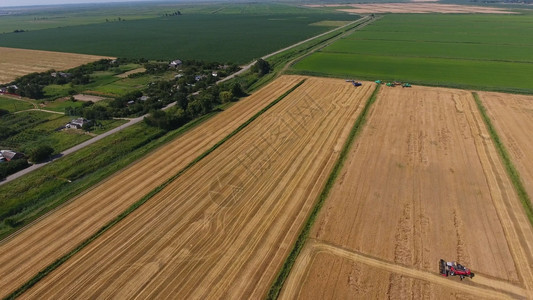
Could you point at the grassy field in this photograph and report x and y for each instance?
(237, 37)
(37, 128)
(469, 51)
(13, 105)
(49, 186)
(45, 17)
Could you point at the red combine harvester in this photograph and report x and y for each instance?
(452, 269)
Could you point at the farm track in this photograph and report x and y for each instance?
(448, 196)
(486, 287)
(28, 252)
(223, 229)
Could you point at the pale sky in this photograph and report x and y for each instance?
(4, 3)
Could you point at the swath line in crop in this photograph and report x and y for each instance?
(300, 241)
(143, 200)
(504, 155)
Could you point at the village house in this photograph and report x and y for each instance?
(60, 74)
(9, 155)
(77, 123)
(175, 63)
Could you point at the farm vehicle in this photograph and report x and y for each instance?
(447, 268)
(355, 83)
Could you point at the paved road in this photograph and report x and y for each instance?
(139, 119)
(247, 67)
(72, 150)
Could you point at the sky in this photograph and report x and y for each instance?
(5, 3)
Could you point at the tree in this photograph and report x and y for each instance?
(237, 91)
(41, 153)
(261, 67)
(226, 96)
(3, 112)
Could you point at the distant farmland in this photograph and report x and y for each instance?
(469, 51)
(235, 38)
(18, 62)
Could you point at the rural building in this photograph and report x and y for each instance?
(175, 63)
(214, 74)
(77, 123)
(9, 155)
(144, 98)
(3, 90)
(60, 74)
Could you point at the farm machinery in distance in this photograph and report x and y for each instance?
(355, 83)
(447, 268)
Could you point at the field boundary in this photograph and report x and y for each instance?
(513, 174)
(41, 274)
(69, 196)
(417, 82)
(304, 233)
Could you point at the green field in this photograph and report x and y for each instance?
(13, 105)
(223, 33)
(39, 128)
(470, 51)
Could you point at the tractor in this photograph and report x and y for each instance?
(357, 83)
(447, 268)
(406, 85)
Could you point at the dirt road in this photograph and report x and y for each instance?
(25, 254)
(422, 182)
(223, 229)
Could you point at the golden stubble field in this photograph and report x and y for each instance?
(415, 7)
(18, 62)
(423, 182)
(25, 254)
(512, 116)
(224, 228)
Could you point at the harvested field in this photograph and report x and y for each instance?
(422, 182)
(126, 74)
(415, 8)
(223, 229)
(18, 62)
(512, 116)
(86, 98)
(25, 254)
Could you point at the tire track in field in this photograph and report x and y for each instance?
(181, 242)
(480, 286)
(517, 229)
(39, 245)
